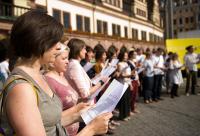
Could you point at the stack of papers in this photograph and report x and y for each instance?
(107, 102)
(88, 66)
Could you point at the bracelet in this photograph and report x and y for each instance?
(102, 82)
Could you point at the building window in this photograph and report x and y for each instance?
(186, 20)
(199, 17)
(134, 34)
(57, 14)
(174, 21)
(151, 37)
(105, 28)
(115, 3)
(180, 29)
(191, 19)
(102, 27)
(83, 23)
(66, 20)
(79, 23)
(125, 32)
(180, 21)
(140, 12)
(184, 2)
(116, 30)
(87, 24)
(144, 35)
(194, 1)
(175, 32)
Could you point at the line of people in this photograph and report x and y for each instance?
(49, 87)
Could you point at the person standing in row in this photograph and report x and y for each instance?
(148, 81)
(191, 60)
(158, 61)
(175, 75)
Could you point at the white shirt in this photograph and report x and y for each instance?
(125, 69)
(158, 61)
(140, 58)
(175, 72)
(4, 68)
(191, 60)
(148, 65)
(78, 78)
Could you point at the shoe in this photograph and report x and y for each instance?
(115, 123)
(136, 111)
(150, 101)
(146, 101)
(132, 113)
(127, 119)
(111, 127)
(187, 94)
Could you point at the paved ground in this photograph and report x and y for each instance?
(170, 117)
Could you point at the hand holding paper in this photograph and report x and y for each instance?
(107, 102)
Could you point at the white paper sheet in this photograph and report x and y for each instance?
(88, 66)
(98, 91)
(105, 73)
(107, 102)
(114, 62)
(96, 79)
(108, 71)
(140, 70)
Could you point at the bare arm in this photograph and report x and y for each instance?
(23, 112)
(98, 126)
(72, 114)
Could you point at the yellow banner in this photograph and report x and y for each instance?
(179, 45)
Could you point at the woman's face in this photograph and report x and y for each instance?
(90, 55)
(82, 53)
(114, 55)
(50, 55)
(104, 57)
(125, 56)
(61, 61)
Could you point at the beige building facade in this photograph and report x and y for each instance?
(186, 16)
(105, 21)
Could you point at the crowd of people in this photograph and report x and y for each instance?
(46, 86)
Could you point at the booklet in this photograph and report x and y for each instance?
(88, 66)
(140, 70)
(105, 73)
(98, 91)
(107, 102)
(114, 62)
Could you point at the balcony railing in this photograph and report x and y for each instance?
(11, 11)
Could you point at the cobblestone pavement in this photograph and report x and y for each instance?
(170, 117)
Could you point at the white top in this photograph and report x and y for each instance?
(125, 70)
(175, 73)
(149, 68)
(78, 78)
(158, 61)
(140, 58)
(191, 60)
(4, 68)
